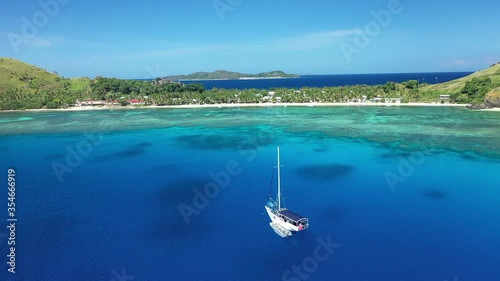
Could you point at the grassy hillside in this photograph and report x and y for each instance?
(493, 96)
(481, 89)
(495, 93)
(27, 86)
(18, 75)
(27, 79)
(457, 85)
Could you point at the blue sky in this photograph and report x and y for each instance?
(146, 39)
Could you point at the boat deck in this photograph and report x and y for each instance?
(291, 215)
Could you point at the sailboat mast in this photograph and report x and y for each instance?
(279, 180)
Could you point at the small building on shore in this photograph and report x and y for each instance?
(92, 102)
(136, 101)
(393, 100)
(444, 97)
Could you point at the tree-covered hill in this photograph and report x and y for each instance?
(223, 74)
(26, 86)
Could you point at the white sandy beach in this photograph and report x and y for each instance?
(491, 109)
(247, 105)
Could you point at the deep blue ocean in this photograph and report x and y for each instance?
(396, 194)
(331, 80)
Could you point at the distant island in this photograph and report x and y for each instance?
(24, 86)
(228, 75)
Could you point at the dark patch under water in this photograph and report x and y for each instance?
(226, 141)
(435, 194)
(170, 220)
(131, 151)
(202, 141)
(134, 150)
(181, 191)
(320, 149)
(392, 155)
(468, 156)
(56, 156)
(325, 172)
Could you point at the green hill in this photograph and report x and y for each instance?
(223, 74)
(481, 89)
(17, 75)
(26, 86)
(492, 98)
(25, 78)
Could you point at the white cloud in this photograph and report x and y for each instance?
(310, 41)
(180, 51)
(162, 50)
(475, 62)
(39, 42)
(13, 43)
(456, 62)
(492, 60)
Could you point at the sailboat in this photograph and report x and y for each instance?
(283, 221)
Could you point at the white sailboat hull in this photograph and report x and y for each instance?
(277, 220)
(280, 230)
(278, 225)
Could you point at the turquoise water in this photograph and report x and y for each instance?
(406, 193)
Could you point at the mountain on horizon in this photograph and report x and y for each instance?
(224, 74)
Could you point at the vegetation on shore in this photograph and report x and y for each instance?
(223, 74)
(23, 86)
(479, 89)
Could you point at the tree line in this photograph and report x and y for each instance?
(163, 92)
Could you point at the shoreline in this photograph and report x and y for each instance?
(246, 105)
